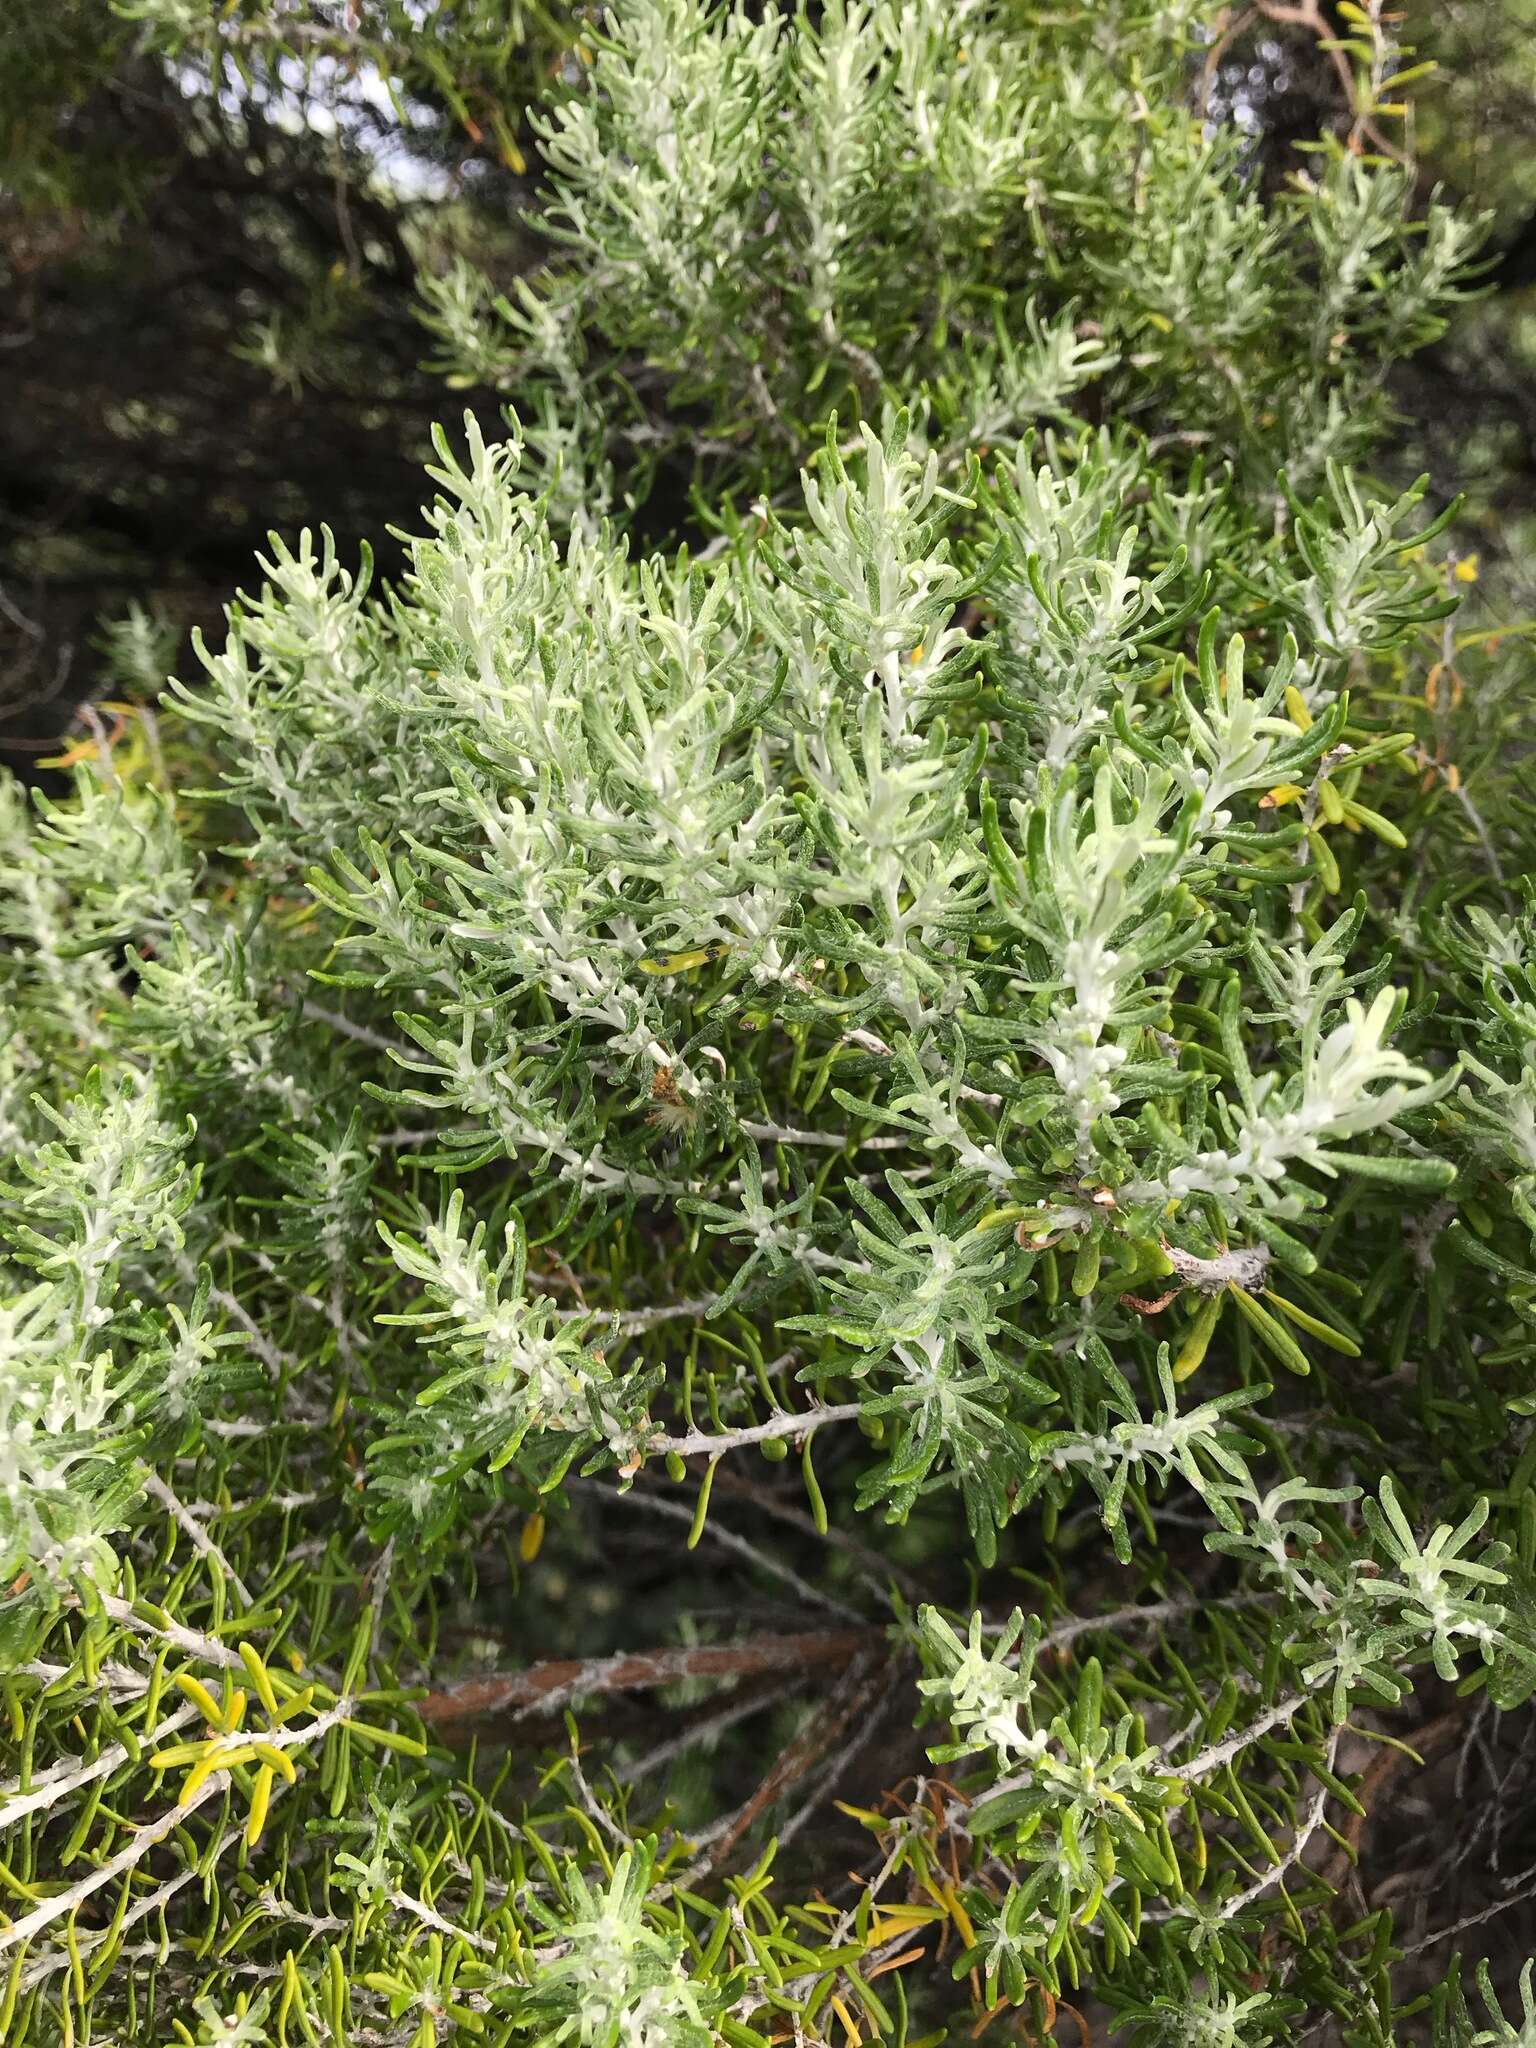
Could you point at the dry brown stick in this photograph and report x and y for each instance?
(560, 1679)
(863, 1681)
(638, 1718)
(709, 1717)
(1309, 15)
(1383, 1772)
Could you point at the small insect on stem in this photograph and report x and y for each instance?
(669, 1112)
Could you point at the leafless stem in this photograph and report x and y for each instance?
(561, 1679)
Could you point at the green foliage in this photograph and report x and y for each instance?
(763, 223)
(980, 974)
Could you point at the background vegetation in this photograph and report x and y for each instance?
(215, 225)
(884, 975)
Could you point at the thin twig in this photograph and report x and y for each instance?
(879, 1572)
(699, 1443)
(1381, 1776)
(195, 1533)
(727, 1539)
(561, 1679)
(853, 1693)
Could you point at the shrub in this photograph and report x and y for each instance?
(995, 983)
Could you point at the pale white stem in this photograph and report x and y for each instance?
(139, 1843)
(51, 1961)
(701, 1443)
(786, 1134)
(420, 1910)
(208, 1648)
(642, 1318)
(727, 1539)
(195, 1533)
(1277, 1716)
(1307, 1828)
(49, 1787)
(317, 1014)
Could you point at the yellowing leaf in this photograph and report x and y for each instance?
(866, 1814)
(894, 1920)
(201, 1698)
(948, 1899)
(1192, 1352)
(1296, 709)
(261, 1799)
(275, 1759)
(260, 1676)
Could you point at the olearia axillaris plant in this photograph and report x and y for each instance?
(951, 1050)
